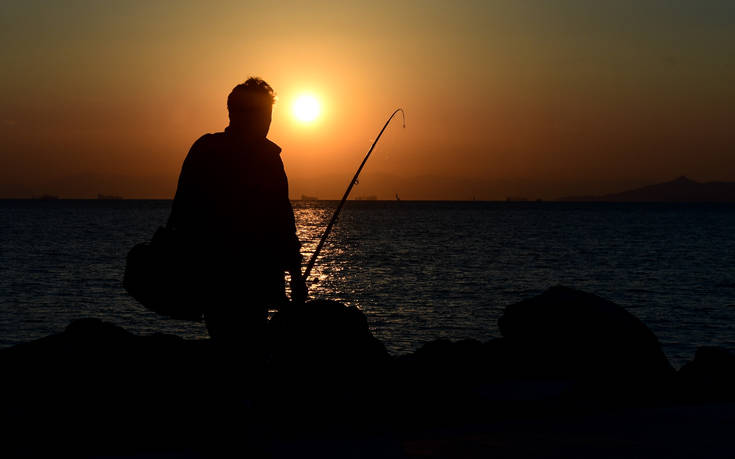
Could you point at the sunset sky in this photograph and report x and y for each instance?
(503, 98)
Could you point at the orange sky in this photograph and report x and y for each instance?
(504, 98)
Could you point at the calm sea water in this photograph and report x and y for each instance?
(419, 270)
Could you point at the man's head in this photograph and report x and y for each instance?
(250, 105)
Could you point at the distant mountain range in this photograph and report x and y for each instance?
(681, 189)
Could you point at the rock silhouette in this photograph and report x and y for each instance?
(709, 377)
(324, 335)
(326, 384)
(571, 334)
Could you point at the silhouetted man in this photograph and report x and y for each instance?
(233, 213)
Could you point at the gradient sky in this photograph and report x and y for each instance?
(503, 98)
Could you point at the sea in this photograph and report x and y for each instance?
(419, 270)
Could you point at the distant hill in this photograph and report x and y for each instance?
(681, 189)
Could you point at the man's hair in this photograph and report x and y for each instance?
(253, 94)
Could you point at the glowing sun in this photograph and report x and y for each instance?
(306, 108)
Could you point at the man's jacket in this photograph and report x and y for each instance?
(232, 203)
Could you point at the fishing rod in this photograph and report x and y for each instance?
(312, 260)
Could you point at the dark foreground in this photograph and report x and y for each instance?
(573, 376)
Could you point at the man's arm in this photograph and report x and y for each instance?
(299, 291)
(291, 248)
(187, 189)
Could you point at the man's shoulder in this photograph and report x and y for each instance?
(272, 147)
(205, 144)
(209, 139)
(221, 141)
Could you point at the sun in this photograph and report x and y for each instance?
(306, 108)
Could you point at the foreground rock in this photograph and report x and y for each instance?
(571, 334)
(96, 388)
(324, 336)
(710, 377)
(559, 345)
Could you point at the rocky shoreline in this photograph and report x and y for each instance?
(574, 375)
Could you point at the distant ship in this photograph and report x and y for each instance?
(398, 198)
(308, 198)
(109, 197)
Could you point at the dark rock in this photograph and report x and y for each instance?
(462, 363)
(96, 386)
(565, 333)
(324, 335)
(95, 329)
(93, 358)
(324, 364)
(709, 377)
(96, 389)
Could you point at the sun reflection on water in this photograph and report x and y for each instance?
(330, 266)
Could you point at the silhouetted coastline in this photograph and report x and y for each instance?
(574, 375)
(681, 189)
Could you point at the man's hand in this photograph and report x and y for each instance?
(298, 288)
